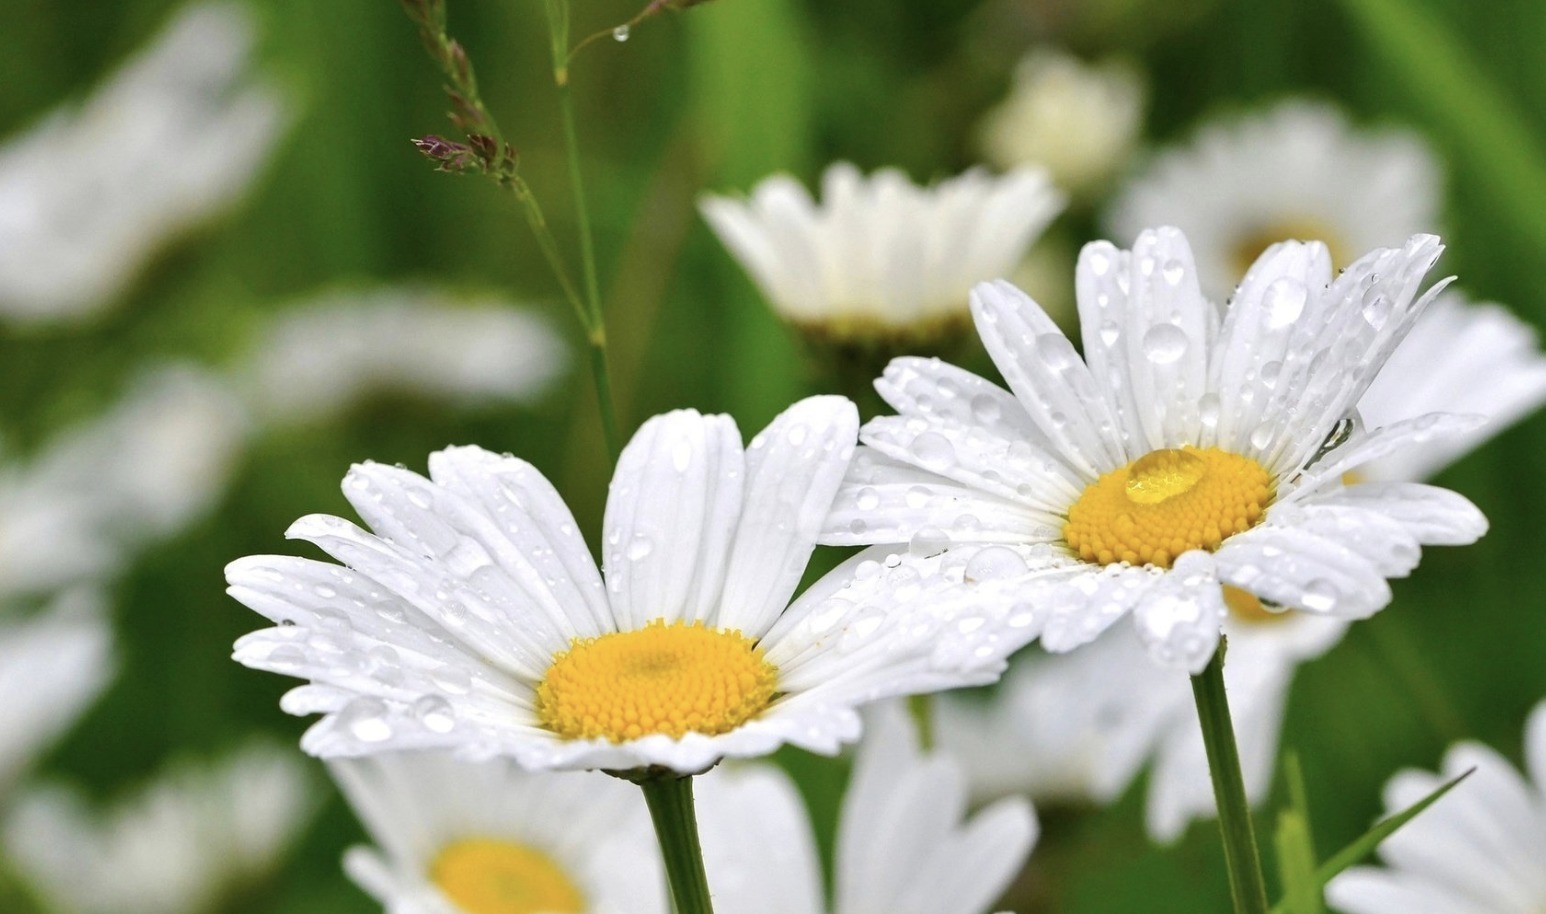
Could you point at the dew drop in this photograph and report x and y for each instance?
(1319, 596)
(681, 456)
(621, 33)
(1284, 299)
(995, 563)
(1164, 344)
(1261, 436)
(933, 450)
(435, 714)
(928, 541)
(639, 547)
(1174, 271)
(1055, 351)
(365, 720)
(421, 497)
(918, 496)
(985, 409)
(326, 591)
(452, 679)
(1208, 408)
(867, 499)
(1110, 332)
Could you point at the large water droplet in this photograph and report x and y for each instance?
(1284, 300)
(639, 547)
(435, 714)
(365, 720)
(1319, 596)
(928, 541)
(934, 451)
(1055, 351)
(995, 563)
(1164, 344)
(918, 496)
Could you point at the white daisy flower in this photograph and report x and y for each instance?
(1478, 850)
(51, 668)
(1178, 455)
(174, 136)
(179, 846)
(1084, 723)
(323, 357)
(1298, 170)
(904, 846)
(879, 257)
(99, 492)
(460, 837)
(475, 617)
(1078, 120)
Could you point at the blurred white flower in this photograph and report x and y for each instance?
(1085, 722)
(52, 666)
(880, 258)
(1299, 170)
(177, 846)
(90, 193)
(473, 616)
(99, 492)
(456, 837)
(319, 359)
(905, 844)
(1080, 121)
(1478, 850)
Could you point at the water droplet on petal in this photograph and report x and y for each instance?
(1055, 351)
(867, 499)
(934, 451)
(1164, 343)
(681, 456)
(1319, 596)
(985, 409)
(918, 496)
(639, 547)
(1174, 271)
(366, 720)
(1284, 299)
(452, 679)
(928, 541)
(435, 713)
(995, 563)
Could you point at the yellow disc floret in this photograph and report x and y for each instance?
(671, 679)
(1165, 503)
(492, 876)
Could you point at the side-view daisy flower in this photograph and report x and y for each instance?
(475, 617)
(458, 837)
(1297, 170)
(1178, 454)
(178, 846)
(904, 846)
(1090, 719)
(880, 258)
(1478, 849)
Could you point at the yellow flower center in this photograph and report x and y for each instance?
(671, 679)
(1251, 244)
(1165, 503)
(490, 876)
(1244, 606)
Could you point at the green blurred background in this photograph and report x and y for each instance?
(714, 99)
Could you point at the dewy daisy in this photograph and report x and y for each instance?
(1081, 725)
(459, 837)
(1298, 170)
(1478, 849)
(475, 617)
(904, 845)
(1179, 454)
(880, 259)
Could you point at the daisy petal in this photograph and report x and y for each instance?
(1179, 617)
(671, 510)
(793, 470)
(1296, 568)
(1432, 515)
(1408, 433)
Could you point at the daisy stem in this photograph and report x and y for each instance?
(1241, 856)
(676, 827)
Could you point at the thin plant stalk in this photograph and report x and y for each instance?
(1246, 883)
(676, 827)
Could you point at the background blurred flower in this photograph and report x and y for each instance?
(905, 844)
(318, 359)
(880, 259)
(1479, 848)
(52, 666)
(1299, 170)
(179, 845)
(89, 194)
(479, 837)
(1079, 121)
(103, 491)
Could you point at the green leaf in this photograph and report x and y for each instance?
(1366, 844)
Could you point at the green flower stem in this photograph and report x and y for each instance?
(1246, 883)
(922, 709)
(595, 323)
(676, 827)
